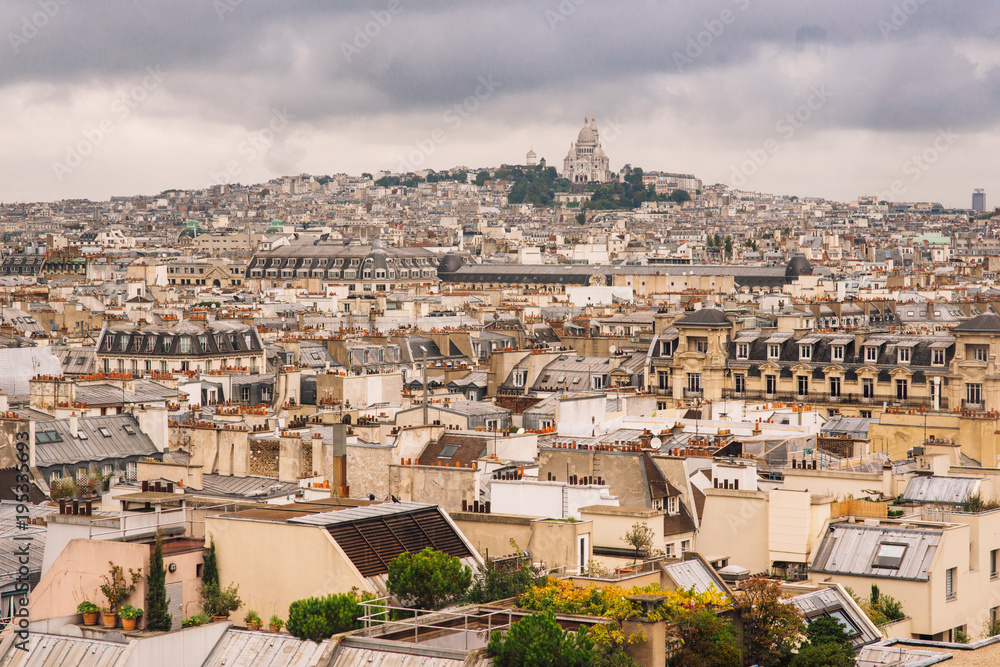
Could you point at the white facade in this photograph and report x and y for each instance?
(586, 161)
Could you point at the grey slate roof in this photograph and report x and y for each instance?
(986, 323)
(706, 317)
(851, 549)
(70, 449)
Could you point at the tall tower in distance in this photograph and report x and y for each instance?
(979, 200)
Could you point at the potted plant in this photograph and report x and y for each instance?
(89, 611)
(276, 623)
(61, 490)
(201, 618)
(130, 616)
(116, 590)
(220, 602)
(252, 619)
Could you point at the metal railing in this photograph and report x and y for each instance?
(148, 523)
(843, 398)
(377, 617)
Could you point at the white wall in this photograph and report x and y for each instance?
(545, 499)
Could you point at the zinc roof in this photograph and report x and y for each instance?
(852, 548)
(265, 650)
(933, 489)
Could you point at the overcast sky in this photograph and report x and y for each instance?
(830, 99)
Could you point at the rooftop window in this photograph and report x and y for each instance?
(105, 432)
(889, 555)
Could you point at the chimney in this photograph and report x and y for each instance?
(73, 424)
(338, 468)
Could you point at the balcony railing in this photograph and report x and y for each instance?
(693, 393)
(843, 399)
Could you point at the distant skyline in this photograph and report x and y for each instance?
(836, 100)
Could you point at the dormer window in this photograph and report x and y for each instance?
(672, 505)
(937, 357)
(837, 353)
(742, 351)
(805, 352)
(903, 355)
(519, 378)
(871, 353)
(773, 351)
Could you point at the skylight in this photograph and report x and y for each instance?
(889, 555)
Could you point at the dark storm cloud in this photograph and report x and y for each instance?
(381, 74)
(893, 61)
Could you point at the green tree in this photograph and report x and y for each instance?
(640, 538)
(679, 196)
(321, 618)
(770, 627)
(539, 640)
(827, 645)
(210, 572)
(482, 177)
(157, 615)
(729, 245)
(428, 579)
(823, 655)
(707, 640)
(581, 217)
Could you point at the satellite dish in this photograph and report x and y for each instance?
(612, 349)
(655, 443)
(520, 431)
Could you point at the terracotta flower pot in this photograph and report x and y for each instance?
(90, 617)
(219, 619)
(253, 626)
(275, 628)
(110, 620)
(128, 623)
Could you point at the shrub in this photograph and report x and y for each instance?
(428, 579)
(275, 622)
(62, 488)
(321, 618)
(880, 608)
(201, 618)
(116, 588)
(538, 640)
(498, 581)
(217, 601)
